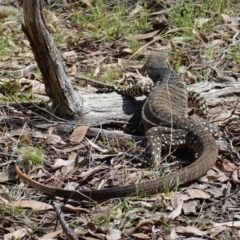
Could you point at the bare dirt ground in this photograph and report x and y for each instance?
(109, 41)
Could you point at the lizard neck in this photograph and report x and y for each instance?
(164, 75)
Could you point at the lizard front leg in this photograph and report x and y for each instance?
(135, 90)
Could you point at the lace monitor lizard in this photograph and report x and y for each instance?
(165, 119)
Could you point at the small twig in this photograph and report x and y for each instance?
(42, 109)
(229, 186)
(16, 221)
(94, 132)
(69, 232)
(8, 154)
(94, 82)
(223, 199)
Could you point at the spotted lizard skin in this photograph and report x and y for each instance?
(165, 119)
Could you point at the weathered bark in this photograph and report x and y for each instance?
(212, 91)
(58, 87)
(85, 108)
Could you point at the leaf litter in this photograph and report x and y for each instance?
(192, 210)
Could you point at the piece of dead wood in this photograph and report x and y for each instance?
(63, 223)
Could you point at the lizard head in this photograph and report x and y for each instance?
(156, 62)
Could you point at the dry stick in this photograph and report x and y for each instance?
(94, 82)
(22, 222)
(216, 202)
(229, 186)
(69, 232)
(93, 132)
(40, 108)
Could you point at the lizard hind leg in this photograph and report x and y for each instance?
(159, 137)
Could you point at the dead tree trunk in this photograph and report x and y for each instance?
(58, 87)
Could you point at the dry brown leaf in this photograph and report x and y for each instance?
(20, 132)
(221, 177)
(92, 171)
(228, 166)
(91, 226)
(70, 56)
(52, 139)
(226, 18)
(92, 230)
(127, 50)
(179, 199)
(60, 162)
(216, 192)
(36, 205)
(6, 176)
(231, 22)
(4, 200)
(169, 196)
(223, 116)
(145, 35)
(19, 234)
(136, 10)
(216, 42)
(200, 35)
(182, 69)
(196, 193)
(78, 134)
(216, 230)
(96, 146)
(73, 69)
(173, 234)
(76, 209)
(115, 234)
(70, 168)
(68, 149)
(140, 224)
(190, 207)
(235, 177)
(222, 145)
(133, 177)
(71, 186)
(141, 236)
(38, 87)
(191, 77)
(176, 212)
(96, 72)
(51, 235)
(190, 229)
(108, 237)
(87, 2)
(7, 10)
(234, 27)
(96, 156)
(229, 224)
(10, 26)
(199, 22)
